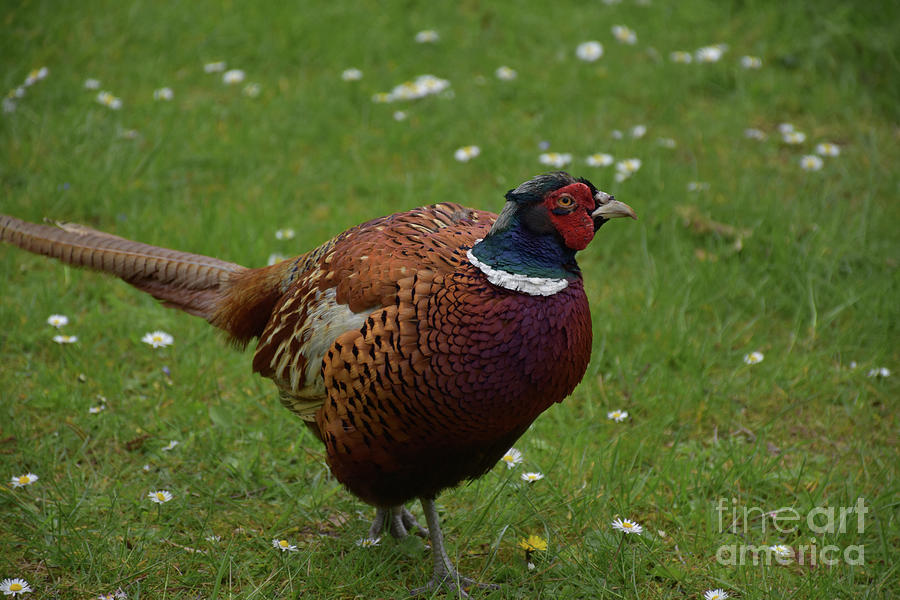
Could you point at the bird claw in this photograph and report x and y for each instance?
(398, 521)
(454, 584)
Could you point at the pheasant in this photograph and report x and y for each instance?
(417, 347)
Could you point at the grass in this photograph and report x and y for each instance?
(676, 303)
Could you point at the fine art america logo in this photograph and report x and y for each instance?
(820, 521)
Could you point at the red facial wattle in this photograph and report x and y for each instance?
(576, 225)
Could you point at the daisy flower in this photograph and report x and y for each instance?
(427, 36)
(716, 594)
(158, 339)
(599, 160)
(624, 34)
(275, 258)
(505, 73)
(697, 186)
(512, 458)
(785, 128)
(368, 542)
(555, 159)
(14, 587)
(626, 168)
(96, 410)
(680, 56)
(793, 137)
(23, 480)
(811, 162)
(233, 76)
(627, 526)
(709, 54)
(828, 149)
(283, 545)
(110, 101)
(351, 75)
(754, 134)
(164, 93)
(616, 134)
(160, 496)
(589, 51)
(879, 372)
(170, 446)
(35, 76)
(781, 550)
(214, 67)
(617, 415)
(399, 115)
(753, 358)
(533, 543)
(65, 339)
(532, 476)
(638, 131)
(251, 90)
(285, 234)
(91, 84)
(751, 62)
(466, 153)
(57, 320)
(666, 142)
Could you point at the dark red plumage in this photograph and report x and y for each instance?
(418, 346)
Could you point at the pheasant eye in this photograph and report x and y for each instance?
(565, 201)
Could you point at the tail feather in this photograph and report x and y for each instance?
(216, 290)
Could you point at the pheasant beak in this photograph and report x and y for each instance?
(610, 208)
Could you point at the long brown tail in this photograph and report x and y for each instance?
(229, 296)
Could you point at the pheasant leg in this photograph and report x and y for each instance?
(445, 574)
(398, 521)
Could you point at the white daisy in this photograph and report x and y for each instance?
(512, 458)
(708, 54)
(781, 550)
(751, 62)
(754, 134)
(275, 258)
(616, 134)
(91, 84)
(283, 545)
(785, 128)
(505, 73)
(58, 320)
(96, 410)
(794, 137)
(879, 372)
(627, 526)
(466, 153)
(163, 93)
(617, 415)
(716, 594)
(285, 234)
(214, 67)
(638, 131)
(599, 159)
(23, 480)
(589, 51)
(233, 76)
(828, 149)
(158, 339)
(626, 168)
(110, 101)
(399, 115)
(65, 339)
(811, 162)
(680, 56)
(427, 36)
(624, 34)
(251, 90)
(14, 587)
(170, 446)
(368, 542)
(532, 476)
(666, 142)
(36, 75)
(697, 186)
(754, 358)
(160, 496)
(555, 159)
(351, 75)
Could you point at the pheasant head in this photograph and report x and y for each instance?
(545, 221)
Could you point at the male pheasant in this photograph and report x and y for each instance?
(418, 347)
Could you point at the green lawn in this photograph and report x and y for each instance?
(761, 255)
